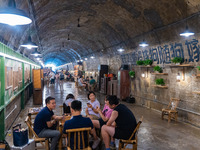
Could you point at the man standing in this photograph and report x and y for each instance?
(46, 120)
(77, 122)
(92, 83)
(124, 119)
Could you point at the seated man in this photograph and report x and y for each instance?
(77, 122)
(92, 84)
(124, 119)
(46, 120)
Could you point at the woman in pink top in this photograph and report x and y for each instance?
(105, 116)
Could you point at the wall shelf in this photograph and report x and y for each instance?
(143, 66)
(160, 86)
(196, 92)
(198, 75)
(184, 65)
(160, 73)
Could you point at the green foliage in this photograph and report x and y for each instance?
(132, 74)
(160, 81)
(198, 67)
(140, 62)
(157, 68)
(148, 62)
(177, 60)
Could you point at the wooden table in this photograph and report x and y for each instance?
(61, 124)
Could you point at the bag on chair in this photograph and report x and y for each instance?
(20, 136)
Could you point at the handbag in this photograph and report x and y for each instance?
(20, 136)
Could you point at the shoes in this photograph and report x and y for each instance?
(96, 143)
(112, 146)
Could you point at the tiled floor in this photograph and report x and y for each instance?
(154, 133)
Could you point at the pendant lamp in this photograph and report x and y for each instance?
(29, 44)
(13, 16)
(36, 53)
(187, 32)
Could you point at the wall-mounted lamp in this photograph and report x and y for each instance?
(143, 75)
(178, 77)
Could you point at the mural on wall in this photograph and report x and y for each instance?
(189, 51)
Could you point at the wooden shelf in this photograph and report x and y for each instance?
(196, 92)
(184, 65)
(138, 66)
(160, 73)
(198, 75)
(160, 86)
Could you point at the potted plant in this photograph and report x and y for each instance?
(132, 74)
(158, 69)
(177, 60)
(160, 81)
(140, 62)
(148, 62)
(198, 68)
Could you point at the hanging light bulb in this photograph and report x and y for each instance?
(29, 44)
(78, 23)
(36, 53)
(68, 38)
(120, 50)
(143, 44)
(13, 16)
(187, 33)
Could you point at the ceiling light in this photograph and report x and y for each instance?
(85, 58)
(13, 16)
(29, 44)
(143, 44)
(92, 57)
(36, 53)
(120, 50)
(187, 33)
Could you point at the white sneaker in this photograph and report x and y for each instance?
(96, 143)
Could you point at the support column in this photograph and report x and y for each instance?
(2, 98)
(22, 94)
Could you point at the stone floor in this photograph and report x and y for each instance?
(154, 133)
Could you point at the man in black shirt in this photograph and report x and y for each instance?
(124, 121)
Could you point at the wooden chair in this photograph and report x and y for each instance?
(80, 133)
(124, 143)
(61, 109)
(43, 141)
(31, 117)
(170, 111)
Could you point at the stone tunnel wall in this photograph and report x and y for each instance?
(158, 98)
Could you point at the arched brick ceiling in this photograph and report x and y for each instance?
(106, 25)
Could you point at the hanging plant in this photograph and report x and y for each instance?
(132, 74)
(160, 81)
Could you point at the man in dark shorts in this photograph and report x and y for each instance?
(123, 118)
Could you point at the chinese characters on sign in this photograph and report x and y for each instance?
(164, 54)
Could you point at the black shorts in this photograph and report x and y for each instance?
(101, 122)
(122, 134)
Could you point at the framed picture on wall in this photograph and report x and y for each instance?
(8, 77)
